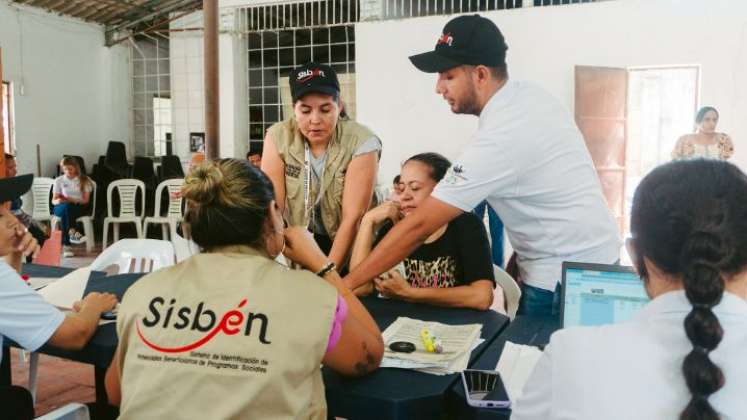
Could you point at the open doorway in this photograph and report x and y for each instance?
(631, 119)
(661, 106)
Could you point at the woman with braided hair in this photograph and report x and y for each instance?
(682, 356)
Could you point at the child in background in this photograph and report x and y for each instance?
(71, 193)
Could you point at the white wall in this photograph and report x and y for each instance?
(76, 90)
(399, 103)
(187, 79)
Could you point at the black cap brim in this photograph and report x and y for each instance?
(325, 90)
(433, 62)
(12, 188)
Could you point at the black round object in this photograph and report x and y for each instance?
(402, 347)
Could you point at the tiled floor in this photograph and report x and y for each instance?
(59, 381)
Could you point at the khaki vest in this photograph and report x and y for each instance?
(177, 362)
(348, 136)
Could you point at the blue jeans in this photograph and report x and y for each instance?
(496, 231)
(536, 301)
(68, 214)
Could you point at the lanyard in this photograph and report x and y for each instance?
(309, 210)
(306, 180)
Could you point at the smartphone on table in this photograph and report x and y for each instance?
(485, 389)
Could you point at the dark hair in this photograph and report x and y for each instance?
(9, 156)
(499, 72)
(689, 219)
(396, 180)
(255, 149)
(439, 164)
(227, 203)
(702, 112)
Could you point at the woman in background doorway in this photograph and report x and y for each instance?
(706, 142)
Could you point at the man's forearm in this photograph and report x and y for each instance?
(402, 240)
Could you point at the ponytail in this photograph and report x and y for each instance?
(689, 219)
(704, 287)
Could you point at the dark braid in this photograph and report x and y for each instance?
(690, 220)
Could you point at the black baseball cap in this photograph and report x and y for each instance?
(472, 40)
(313, 78)
(12, 188)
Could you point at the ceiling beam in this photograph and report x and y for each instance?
(94, 10)
(70, 6)
(148, 16)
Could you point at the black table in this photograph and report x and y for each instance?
(100, 350)
(385, 394)
(528, 330)
(390, 393)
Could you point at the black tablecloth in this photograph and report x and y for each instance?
(100, 350)
(528, 330)
(398, 393)
(385, 394)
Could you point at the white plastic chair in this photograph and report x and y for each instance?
(122, 253)
(40, 190)
(174, 211)
(86, 221)
(511, 291)
(127, 189)
(72, 411)
(183, 248)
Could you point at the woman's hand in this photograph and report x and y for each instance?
(392, 284)
(388, 210)
(301, 248)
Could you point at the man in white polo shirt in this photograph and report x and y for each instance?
(528, 160)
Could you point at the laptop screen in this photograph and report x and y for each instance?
(598, 294)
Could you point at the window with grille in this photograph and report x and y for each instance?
(272, 55)
(151, 95)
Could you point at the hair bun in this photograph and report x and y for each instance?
(204, 184)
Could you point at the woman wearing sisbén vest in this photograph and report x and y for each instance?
(322, 165)
(229, 332)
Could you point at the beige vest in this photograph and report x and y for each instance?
(228, 335)
(347, 137)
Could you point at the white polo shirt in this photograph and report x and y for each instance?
(633, 370)
(529, 160)
(24, 316)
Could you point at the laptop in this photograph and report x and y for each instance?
(599, 294)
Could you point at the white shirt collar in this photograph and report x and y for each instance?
(676, 303)
(499, 99)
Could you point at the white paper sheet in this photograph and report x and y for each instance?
(516, 365)
(64, 292)
(37, 283)
(458, 342)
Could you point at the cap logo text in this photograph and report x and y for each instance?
(309, 74)
(445, 39)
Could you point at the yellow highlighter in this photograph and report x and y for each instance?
(431, 343)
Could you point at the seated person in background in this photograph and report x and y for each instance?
(16, 205)
(453, 266)
(24, 316)
(396, 189)
(70, 194)
(254, 155)
(246, 335)
(682, 355)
